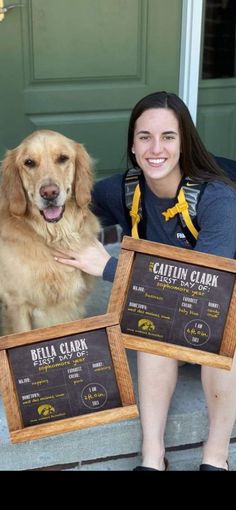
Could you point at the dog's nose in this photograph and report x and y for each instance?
(49, 192)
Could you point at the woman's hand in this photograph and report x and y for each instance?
(91, 260)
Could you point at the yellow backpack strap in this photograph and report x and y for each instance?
(134, 212)
(185, 214)
(181, 207)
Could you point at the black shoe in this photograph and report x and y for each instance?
(209, 467)
(144, 468)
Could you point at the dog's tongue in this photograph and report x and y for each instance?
(52, 213)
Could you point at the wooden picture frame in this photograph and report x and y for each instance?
(176, 302)
(66, 377)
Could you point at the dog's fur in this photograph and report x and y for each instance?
(45, 193)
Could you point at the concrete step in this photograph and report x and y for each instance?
(187, 459)
(187, 425)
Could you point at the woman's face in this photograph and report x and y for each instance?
(156, 143)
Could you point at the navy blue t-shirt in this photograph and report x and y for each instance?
(216, 215)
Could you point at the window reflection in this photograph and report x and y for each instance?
(219, 48)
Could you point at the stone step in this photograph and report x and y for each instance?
(187, 425)
(187, 459)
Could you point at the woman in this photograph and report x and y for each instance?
(164, 144)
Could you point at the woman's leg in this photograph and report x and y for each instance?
(157, 378)
(220, 390)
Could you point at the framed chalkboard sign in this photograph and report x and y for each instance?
(176, 302)
(65, 377)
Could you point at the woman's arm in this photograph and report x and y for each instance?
(107, 201)
(216, 218)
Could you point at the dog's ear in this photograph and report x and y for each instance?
(12, 185)
(83, 176)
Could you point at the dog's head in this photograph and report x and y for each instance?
(45, 171)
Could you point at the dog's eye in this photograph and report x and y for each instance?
(62, 158)
(30, 163)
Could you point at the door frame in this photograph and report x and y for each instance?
(191, 30)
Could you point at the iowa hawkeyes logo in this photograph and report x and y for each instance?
(46, 409)
(146, 325)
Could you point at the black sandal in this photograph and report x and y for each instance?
(144, 468)
(209, 467)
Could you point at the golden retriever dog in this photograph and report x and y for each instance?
(45, 193)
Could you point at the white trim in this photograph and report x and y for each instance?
(190, 53)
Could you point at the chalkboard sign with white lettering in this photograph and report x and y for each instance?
(65, 377)
(177, 303)
(181, 303)
(60, 378)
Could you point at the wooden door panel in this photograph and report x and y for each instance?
(89, 42)
(217, 116)
(85, 63)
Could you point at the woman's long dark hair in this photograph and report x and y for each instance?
(195, 161)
